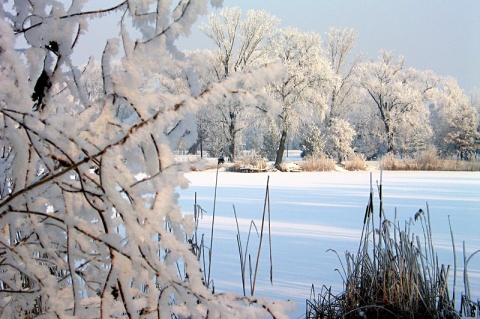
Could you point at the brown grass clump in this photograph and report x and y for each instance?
(356, 162)
(390, 163)
(249, 165)
(426, 160)
(235, 167)
(317, 164)
(456, 165)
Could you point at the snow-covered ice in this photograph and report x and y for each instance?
(314, 212)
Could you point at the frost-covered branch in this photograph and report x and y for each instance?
(99, 12)
(90, 224)
(397, 93)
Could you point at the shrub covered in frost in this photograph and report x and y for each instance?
(90, 226)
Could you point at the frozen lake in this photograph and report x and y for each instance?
(314, 212)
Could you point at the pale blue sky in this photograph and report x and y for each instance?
(438, 35)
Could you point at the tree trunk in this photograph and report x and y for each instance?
(281, 149)
(390, 148)
(231, 147)
(390, 137)
(231, 150)
(232, 132)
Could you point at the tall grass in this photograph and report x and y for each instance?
(317, 164)
(356, 162)
(394, 274)
(248, 262)
(203, 252)
(243, 252)
(427, 160)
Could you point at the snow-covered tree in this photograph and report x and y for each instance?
(339, 139)
(397, 92)
(313, 141)
(455, 121)
(239, 42)
(463, 137)
(271, 138)
(240, 45)
(475, 99)
(414, 134)
(475, 102)
(220, 125)
(369, 140)
(212, 140)
(302, 92)
(90, 226)
(92, 79)
(338, 47)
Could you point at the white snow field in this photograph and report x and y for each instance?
(314, 212)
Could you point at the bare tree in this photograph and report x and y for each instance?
(90, 227)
